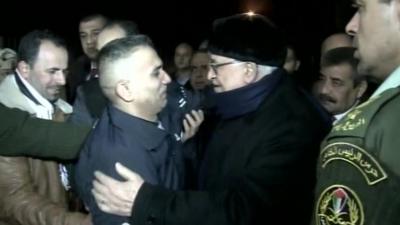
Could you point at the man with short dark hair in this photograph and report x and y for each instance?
(339, 87)
(130, 130)
(85, 67)
(34, 190)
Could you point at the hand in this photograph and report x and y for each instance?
(116, 197)
(191, 123)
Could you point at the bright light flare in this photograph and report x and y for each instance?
(250, 13)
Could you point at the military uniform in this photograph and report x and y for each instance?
(358, 172)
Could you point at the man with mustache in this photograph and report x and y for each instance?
(339, 87)
(359, 169)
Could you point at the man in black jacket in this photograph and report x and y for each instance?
(259, 165)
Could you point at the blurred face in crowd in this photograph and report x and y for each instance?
(88, 32)
(199, 65)
(183, 54)
(47, 74)
(336, 90)
(291, 64)
(109, 34)
(376, 30)
(8, 61)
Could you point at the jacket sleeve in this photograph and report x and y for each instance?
(246, 197)
(20, 202)
(50, 139)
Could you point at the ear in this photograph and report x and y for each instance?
(250, 75)
(24, 69)
(362, 87)
(123, 90)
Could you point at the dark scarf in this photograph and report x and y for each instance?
(246, 99)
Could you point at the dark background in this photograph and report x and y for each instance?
(306, 22)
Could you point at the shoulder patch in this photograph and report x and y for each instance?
(357, 157)
(339, 204)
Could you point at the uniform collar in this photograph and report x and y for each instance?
(391, 82)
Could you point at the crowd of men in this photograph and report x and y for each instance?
(226, 137)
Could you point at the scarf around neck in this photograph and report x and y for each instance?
(246, 99)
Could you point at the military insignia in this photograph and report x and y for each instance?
(339, 204)
(355, 156)
(351, 122)
(353, 114)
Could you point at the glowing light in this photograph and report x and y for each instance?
(250, 13)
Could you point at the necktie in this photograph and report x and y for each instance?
(94, 73)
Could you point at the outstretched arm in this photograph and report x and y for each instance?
(22, 135)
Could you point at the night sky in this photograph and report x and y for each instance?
(170, 22)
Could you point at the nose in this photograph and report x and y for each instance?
(211, 74)
(324, 88)
(91, 39)
(60, 78)
(165, 77)
(353, 24)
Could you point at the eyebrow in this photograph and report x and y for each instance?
(54, 68)
(157, 68)
(336, 79)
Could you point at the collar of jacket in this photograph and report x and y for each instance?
(33, 95)
(246, 99)
(149, 134)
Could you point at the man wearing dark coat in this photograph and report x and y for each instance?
(259, 164)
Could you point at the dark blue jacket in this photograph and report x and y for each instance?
(140, 145)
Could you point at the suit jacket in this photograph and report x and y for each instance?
(89, 103)
(259, 169)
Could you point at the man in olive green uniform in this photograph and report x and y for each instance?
(22, 135)
(359, 169)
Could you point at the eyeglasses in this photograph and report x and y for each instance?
(215, 66)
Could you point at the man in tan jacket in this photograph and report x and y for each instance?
(31, 190)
